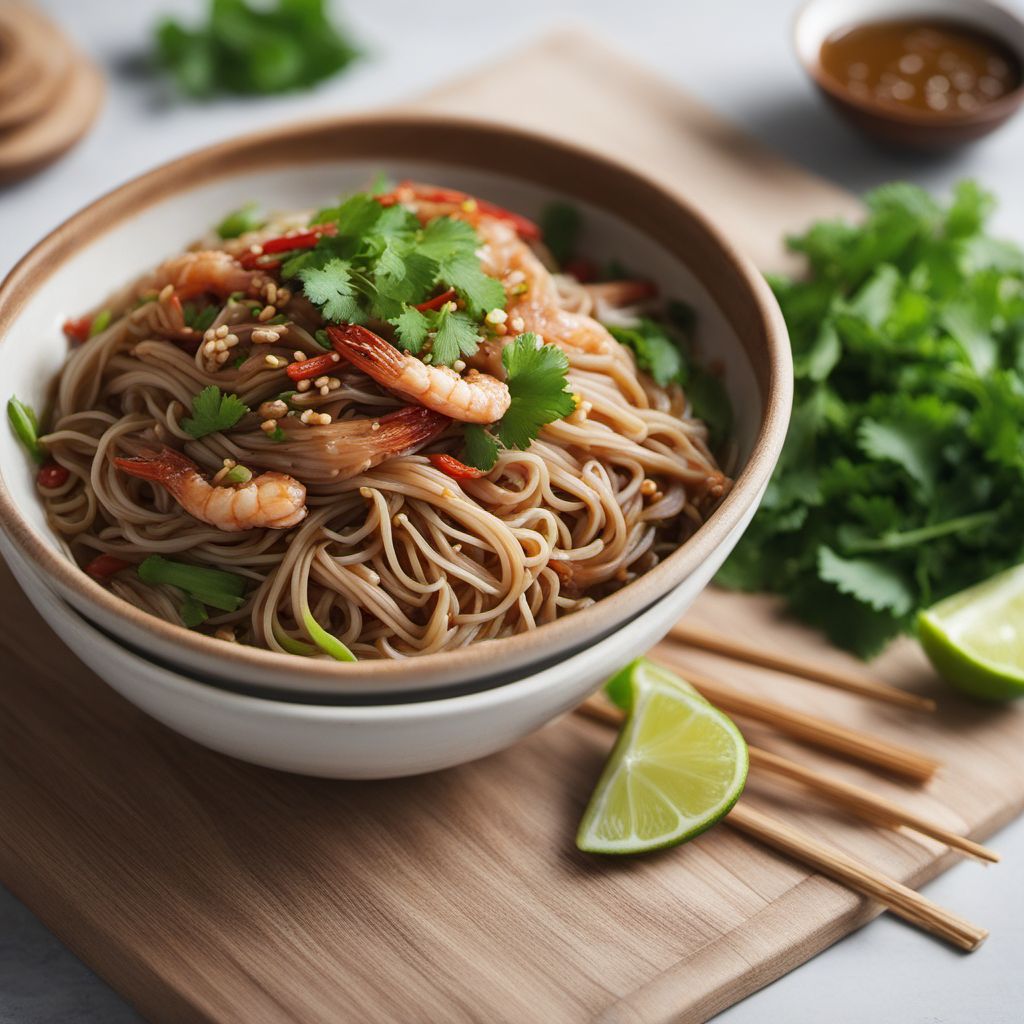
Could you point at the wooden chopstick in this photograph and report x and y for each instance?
(868, 805)
(901, 900)
(847, 795)
(819, 732)
(705, 640)
(898, 898)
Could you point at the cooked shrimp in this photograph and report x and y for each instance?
(344, 448)
(210, 270)
(475, 398)
(271, 500)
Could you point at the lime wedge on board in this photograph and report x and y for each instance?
(677, 767)
(975, 639)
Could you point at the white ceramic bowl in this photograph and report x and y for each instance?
(355, 742)
(740, 327)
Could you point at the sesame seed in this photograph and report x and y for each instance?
(335, 358)
(270, 291)
(210, 347)
(298, 355)
(517, 323)
(324, 390)
(333, 383)
(375, 425)
(497, 316)
(320, 382)
(209, 334)
(459, 365)
(268, 426)
(263, 336)
(365, 492)
(267, 313)
(304, 385)
(166, 292)
(273, 410)
(222, 331)
(225, 633)
(273, 362)
(283, 297)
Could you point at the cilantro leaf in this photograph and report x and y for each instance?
(871, 581)
(246, 218)
(446, 239)
(656, 353)
(260, 49)
(536, 378)
(480, 292)
(560, 225)
(213, 411)
(411, 329)
(480, 449)
(331, 287)
(456, 336)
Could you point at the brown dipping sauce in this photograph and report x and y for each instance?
(928, 66)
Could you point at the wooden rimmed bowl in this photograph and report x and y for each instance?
(892, 125)
(627, 216)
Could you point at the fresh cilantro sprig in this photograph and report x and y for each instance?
(212, 410)
(661, 354)
(536, 378)
(902, 478)
(254, 49)
(381, 263)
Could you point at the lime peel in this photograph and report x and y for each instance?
(677, 767)
(975, 639)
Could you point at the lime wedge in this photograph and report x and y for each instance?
(975, 639)
(677, 767)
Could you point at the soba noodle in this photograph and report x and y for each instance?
(400, 558)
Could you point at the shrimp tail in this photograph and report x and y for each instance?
(366, 351)
(166, 466)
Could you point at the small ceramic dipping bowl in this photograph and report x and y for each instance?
(901, 124)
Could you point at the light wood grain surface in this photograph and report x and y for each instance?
(207, 890)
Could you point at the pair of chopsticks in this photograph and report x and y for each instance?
(854, 799)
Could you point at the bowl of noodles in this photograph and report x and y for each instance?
(381, 407)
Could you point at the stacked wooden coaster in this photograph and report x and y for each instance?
(49, 91)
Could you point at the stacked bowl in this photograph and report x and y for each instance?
(375, 719)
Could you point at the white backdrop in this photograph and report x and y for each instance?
(735, 55)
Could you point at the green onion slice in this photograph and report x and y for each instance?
(325, 641)
(25, 425)
(213, 587)
(290, 644)
(100, 322)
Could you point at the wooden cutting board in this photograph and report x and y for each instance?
(204, 889)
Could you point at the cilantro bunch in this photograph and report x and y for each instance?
(902, 477)
(381, 263)
(254, 48)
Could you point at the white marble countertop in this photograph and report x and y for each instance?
(734, 54)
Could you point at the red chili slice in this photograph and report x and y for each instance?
(317, 366)
(77, 329)
(255, 261)
(455, 469)
(102, 567)
(437, 301)
(52, 475)
(307, 240)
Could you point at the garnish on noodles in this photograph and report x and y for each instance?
(391, 427)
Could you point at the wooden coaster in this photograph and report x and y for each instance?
(35, 60)
(49, 92)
